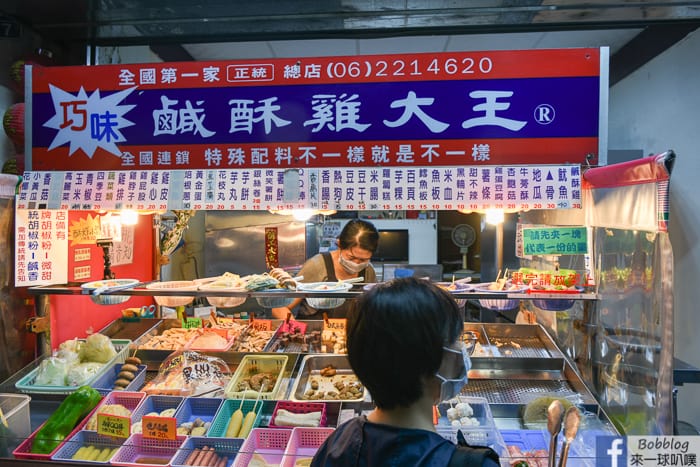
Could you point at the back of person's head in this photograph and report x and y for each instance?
(396, 336)
(359, 233)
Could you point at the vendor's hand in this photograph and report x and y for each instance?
(280, 313)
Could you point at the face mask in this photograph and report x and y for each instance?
(450, 388)
(350, 266)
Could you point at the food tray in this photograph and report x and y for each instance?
(479, 405)
(312, 338)
(254, 340)
(137, 449)
(275, 302)
(298, 407)
(129, 399)
(173, 300)
(520, 340)
(26, 383)
(87, 438)
(230, 338)
(228, 407)
(223, 448)
(304, 443)
(484, 434)
(192, 408)
(252, 365)
(105, 383)
(311, 367)
(534, 440)
(266, 442)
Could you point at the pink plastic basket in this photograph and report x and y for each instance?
(266, 442)
(136, 449)
(129, 399)
(298, 407)
(304, 443)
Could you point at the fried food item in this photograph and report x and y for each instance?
(328, 371)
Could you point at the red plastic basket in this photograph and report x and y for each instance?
(136, 449)
(304, 443)
(266, 442)
(298, 407)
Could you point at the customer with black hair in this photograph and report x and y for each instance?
(404, 344)
(357, 243)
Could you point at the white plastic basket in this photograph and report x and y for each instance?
(174, 300)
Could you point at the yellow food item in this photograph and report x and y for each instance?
(234, 425)
(109, 409)
(305, 462)
(247, 424)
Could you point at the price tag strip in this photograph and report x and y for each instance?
(159, 427)
(113, 425)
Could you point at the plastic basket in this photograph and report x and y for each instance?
(275, 302)
(174, 300)
(498, 304)
(556, 304)
(298, 407)
(536, 440)
(266, 442)
(109, 283)
(304, 443)
(136, 448)
(274, 364)
(456, 287)
(87, 438)
(155, 404)
(26, 383)
(228, 407)
(203, 408)
(223, 302)
(322, 302)
(105, 383)
(129, 399)
(223, 448)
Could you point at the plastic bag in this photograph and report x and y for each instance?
(188, 373)
(78, 374)
(52, 372)
(97, 348)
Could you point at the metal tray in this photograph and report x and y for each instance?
(243, 340)
(131, 329)
(520, 341)
(311, 366)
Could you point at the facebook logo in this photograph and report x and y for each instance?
(611, 451)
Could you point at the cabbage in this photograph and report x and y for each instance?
(71, 345)
(97, 348)
(71, 357)
(79, 374)
(52, 372)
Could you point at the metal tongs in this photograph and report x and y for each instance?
(572, 420)
(555, 417)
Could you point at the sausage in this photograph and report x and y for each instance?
(200, 456)
(190, 459)
(207, 459)
(222, 462)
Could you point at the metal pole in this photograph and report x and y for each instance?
(499, 246)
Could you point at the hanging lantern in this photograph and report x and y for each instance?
(40, 57)
(14, 165)
(13, 123)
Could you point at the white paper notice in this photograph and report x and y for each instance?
(41, 247)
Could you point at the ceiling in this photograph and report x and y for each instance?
(177, 30)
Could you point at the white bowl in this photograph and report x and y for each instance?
(172, 301)
(497, 303)
(456, 287)
(109, 284)
(223, 302)
(324, 287)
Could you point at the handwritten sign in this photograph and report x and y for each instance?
(84, 231)
(555, 241)
(261, 324)
(335, 324)
(159, 427)
(191, 323)
(113, 425)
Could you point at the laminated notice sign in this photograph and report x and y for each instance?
(41, 247)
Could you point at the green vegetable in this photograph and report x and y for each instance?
(59, 425)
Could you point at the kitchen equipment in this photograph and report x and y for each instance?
(555, 416)
(572, 420)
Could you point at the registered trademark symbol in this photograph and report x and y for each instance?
(544, 114)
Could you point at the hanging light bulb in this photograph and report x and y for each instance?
(494, 216)
(129, 217)
(302, 214)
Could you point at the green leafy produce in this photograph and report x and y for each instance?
(97, 348)
(536, 411)
(59, 425)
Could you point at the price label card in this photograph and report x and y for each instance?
(190, 323)
(159, 427)
(113, 425)
(335, 324)
(261, 325)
